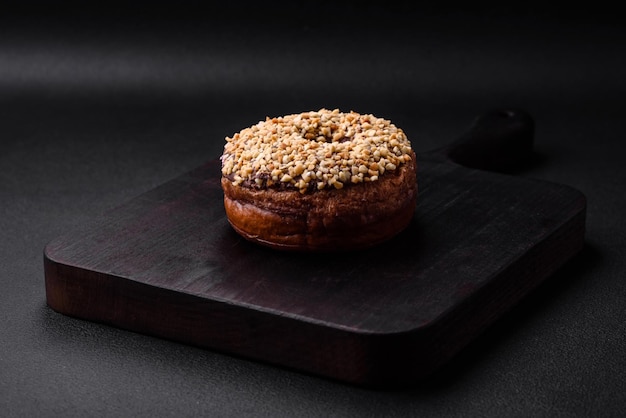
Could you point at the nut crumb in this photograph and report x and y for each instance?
(312, 150)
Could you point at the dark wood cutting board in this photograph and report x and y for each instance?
(168, 264)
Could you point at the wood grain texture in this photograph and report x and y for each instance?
(168, 264)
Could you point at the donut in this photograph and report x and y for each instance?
(319, 181)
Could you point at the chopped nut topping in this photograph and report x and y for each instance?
(312, 150)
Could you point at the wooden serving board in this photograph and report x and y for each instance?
(168, 264)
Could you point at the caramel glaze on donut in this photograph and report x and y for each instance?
(342, 205)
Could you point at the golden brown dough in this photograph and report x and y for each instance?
(319, 181)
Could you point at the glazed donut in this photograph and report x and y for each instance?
(319, 181)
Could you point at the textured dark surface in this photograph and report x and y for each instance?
(168, 264)
(96, 109)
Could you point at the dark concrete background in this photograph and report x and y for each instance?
(100, 103)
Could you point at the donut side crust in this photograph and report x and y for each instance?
(350, 218)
